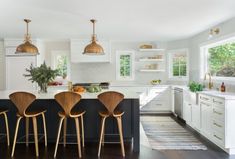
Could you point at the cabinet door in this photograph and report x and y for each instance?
(15, 70)
(196, 119)
(206, 111)
(187, 112)
(77, 48)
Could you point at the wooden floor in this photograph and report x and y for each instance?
(113, 151)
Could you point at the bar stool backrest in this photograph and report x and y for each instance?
(67, 100)
(110, 100)
(22, 101)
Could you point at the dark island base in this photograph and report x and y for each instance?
(92, 121)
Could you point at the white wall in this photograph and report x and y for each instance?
(101, 72)
(2, 66)
(98, 72)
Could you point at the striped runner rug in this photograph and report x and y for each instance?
(164, 133)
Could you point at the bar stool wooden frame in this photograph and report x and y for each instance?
(67, 100)
(22, 101)
(4, 113)
(110, 100)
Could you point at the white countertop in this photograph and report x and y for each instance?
(128, 94)
(224, 95)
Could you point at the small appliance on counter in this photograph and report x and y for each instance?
(93, 87)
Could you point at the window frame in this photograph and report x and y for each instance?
(54, 54)
(204, 58)
(132, 57)
(170, 54)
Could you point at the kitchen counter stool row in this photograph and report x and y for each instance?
(67, 100)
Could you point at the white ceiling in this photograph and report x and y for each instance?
(138, 20)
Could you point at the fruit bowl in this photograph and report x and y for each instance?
(155, 82)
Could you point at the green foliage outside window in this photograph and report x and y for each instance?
(221, 60)
(125, 65)
(179, 66)
(61, 65)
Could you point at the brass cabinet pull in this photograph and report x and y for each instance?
(217, 125)
(204, 98)
(217, 112)
(205, 104)
(217, 137)
(217, 102)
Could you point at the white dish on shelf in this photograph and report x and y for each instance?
(150, 50)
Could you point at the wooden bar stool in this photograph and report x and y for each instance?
(111, 100)
(4, 113)
(22, 101)
(67, 100)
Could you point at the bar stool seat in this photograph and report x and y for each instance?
(73, 114)
(116, 113)
(32, 113)
(4, 113)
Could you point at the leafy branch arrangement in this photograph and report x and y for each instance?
(42, 75)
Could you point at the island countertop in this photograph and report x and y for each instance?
(128, 94)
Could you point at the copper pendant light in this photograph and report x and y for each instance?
(93, 48)
(27, 48)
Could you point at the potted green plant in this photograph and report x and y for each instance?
(42, 75)
(195, 87)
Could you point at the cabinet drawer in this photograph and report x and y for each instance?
(218, 126)
(218, 102)
(218, 113)
(218, 137)
(202, 103)
(205, 98)
(156, 105)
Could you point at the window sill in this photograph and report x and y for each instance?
(178, 79)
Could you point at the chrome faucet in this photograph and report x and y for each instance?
(210, 83)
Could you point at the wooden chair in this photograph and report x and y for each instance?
(22, 101)
(67, 100)
(4, 113)
(111, 100)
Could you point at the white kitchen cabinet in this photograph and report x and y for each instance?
(157, 100)
(206, 112)
(191, 109)
(196, 117)
(187, 112)
(217, 120)
(77, 48)
(15, 70)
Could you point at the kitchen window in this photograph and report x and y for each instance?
(125, 65)
(178, 64)
(219, 59)
(60, 62)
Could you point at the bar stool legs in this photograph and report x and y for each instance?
(119, 122)
(27, 131)
(78, 137)
(7, 128)
(35, 130)
(82, 125)
(44, 128)
(58, 136)
(101, 134)
(15, 137)
(65, 129)
(63, 121)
